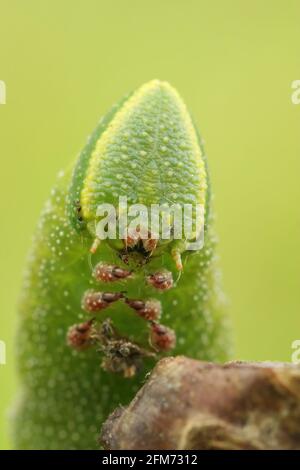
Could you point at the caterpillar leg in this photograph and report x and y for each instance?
(120, 354)
(109, 273)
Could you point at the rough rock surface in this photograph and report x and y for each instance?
(189, 404)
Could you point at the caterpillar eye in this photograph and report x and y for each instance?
(161, 337)
(162, 280)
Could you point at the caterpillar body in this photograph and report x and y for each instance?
(95, 315)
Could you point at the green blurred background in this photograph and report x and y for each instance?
(65, 62)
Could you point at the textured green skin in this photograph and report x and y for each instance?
(64, 394)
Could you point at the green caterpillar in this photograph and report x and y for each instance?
(96, 315)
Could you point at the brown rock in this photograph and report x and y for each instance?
(189, 404)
